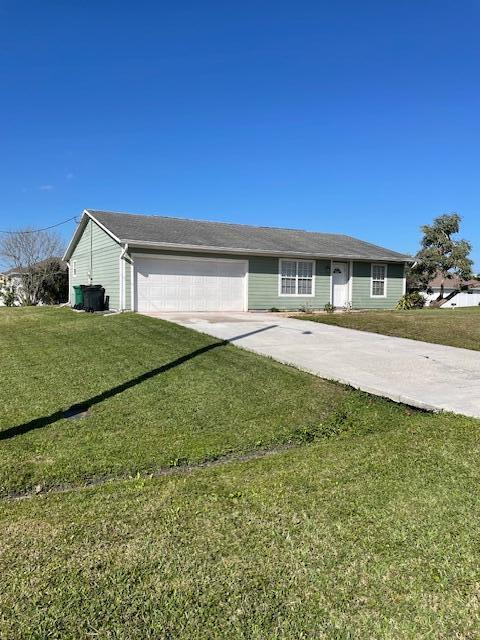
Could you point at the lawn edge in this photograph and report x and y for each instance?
(176, 469)
(312, 318)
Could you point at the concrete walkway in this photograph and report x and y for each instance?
(424, 375)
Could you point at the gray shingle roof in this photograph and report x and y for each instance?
(141, 229)
(17, 271)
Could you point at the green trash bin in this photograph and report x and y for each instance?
(78, 288)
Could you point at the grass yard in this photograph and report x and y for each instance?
(366, 528)
(362, 536)
(454, 327)
(160, 395)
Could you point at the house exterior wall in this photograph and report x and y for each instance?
(97, 262)
(127, 275)
(263, 283)
(361, 286)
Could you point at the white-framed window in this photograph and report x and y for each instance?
(296, 278)
(74, 268)
(379, 281)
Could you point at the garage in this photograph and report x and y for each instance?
(190, 284)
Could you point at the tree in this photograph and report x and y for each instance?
(441, 253)
(33, 256)
(54, 286)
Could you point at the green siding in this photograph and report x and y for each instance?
(263, 281)
(361, 286)
(97, 257)
(263, 286)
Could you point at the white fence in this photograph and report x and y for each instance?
(464, 299)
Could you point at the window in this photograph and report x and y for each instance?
(379, 281)
(74, 268)
(296, 278)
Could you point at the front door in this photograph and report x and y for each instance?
(340, 284)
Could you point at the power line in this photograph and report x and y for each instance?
(44, 228)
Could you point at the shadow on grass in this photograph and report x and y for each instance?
(82, 407)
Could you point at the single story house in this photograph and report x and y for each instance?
(15, 277)
(157, 263)
(456, 292)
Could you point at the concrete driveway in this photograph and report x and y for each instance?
(428, 376)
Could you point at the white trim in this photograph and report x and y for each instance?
(350, 282)
(295, 295)
(69, 285)
(104, 228)
(76, 236)
(120, 282)
(196, 258)
(385, 280)
(257, 252)
(132, 284)
(162, 256)
(87, 213)
(404, 283)
(331, 282)
(123, 292)
(86, 216)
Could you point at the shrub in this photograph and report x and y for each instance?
(9, 296)
(329, 308)
(413, 300)
(305, 308)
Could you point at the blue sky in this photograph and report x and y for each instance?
(350, 117)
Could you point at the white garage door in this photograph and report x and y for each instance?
(190, 284)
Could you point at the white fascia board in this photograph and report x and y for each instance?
(76, 236)
(104, 228)
(86, 215)
(171, 246)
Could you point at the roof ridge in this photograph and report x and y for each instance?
(234, 224)
(208, 235)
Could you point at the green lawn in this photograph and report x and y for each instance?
(366, 528)
(213, 400)
(362, 536)
(454, 327)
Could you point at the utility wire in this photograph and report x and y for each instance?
(44, 228)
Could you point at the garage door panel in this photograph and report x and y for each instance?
(190, 284)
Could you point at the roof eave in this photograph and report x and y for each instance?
(86, 215)
(76, 236)
(143, 244)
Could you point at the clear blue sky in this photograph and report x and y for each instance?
(353, 117)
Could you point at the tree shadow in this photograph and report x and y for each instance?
(82, 407)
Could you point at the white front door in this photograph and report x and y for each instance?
(190, 284)
(340, 283)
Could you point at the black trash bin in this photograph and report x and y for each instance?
(94, 298)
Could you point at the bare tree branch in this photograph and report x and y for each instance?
(32, 255)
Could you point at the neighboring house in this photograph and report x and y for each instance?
(3, 284)
(14, 277)
(154, 263)
(456, 292)
(7, 280)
